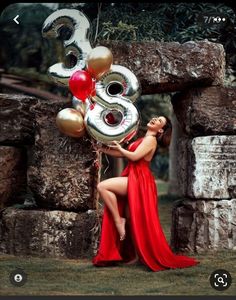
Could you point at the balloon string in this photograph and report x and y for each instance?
(98, 15)
(97, 162)
(94, 143)
(107, 165)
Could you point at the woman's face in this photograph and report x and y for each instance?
(156, 124)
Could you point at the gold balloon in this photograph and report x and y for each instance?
(99, 61)
(70, 122)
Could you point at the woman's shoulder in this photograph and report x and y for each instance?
(150, 139)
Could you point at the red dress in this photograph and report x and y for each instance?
(145, 233)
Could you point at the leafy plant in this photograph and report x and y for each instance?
(179, 22)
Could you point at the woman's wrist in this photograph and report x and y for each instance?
(122, 150)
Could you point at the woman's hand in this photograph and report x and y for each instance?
(97, 146)
(116, 146)
(108, 149)
(112, 150)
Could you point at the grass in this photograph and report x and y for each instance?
(80, 277)
(162, 187)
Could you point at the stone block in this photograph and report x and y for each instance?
(167, 67)
(206, 111)
(48, 233)
(16, 119)
(61, 170)
(13, 177)
(202, 225)
(207, 167)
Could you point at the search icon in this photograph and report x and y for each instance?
(220, 280)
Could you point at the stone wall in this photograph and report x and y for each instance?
(205, 218)
(47, 183)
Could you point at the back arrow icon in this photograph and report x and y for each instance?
(15, 19)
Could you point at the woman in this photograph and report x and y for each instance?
(133, 197)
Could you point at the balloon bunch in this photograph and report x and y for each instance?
(103, 93)
(82, 82)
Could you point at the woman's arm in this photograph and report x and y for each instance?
(112, 152)
(147, 145)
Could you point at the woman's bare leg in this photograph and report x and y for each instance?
(108, 190)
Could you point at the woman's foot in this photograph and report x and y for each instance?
(120, 225)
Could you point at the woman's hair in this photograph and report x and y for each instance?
(163, 139)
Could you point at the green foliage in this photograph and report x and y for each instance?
(158, 21)
(120, 32)
(167, 22)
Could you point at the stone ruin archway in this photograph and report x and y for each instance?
(61, 175)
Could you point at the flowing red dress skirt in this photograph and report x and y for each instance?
(145, 234)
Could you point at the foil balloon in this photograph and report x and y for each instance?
(82, 85)
(78, 45)
(99, 61)
(111, 115)
(82, 107)
(114, 116)
(70, 122)
(118, 81)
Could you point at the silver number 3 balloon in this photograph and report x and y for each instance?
(78, 44)
(113, 115)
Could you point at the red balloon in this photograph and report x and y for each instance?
(81, 85)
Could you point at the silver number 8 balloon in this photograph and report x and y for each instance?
(113, 115)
